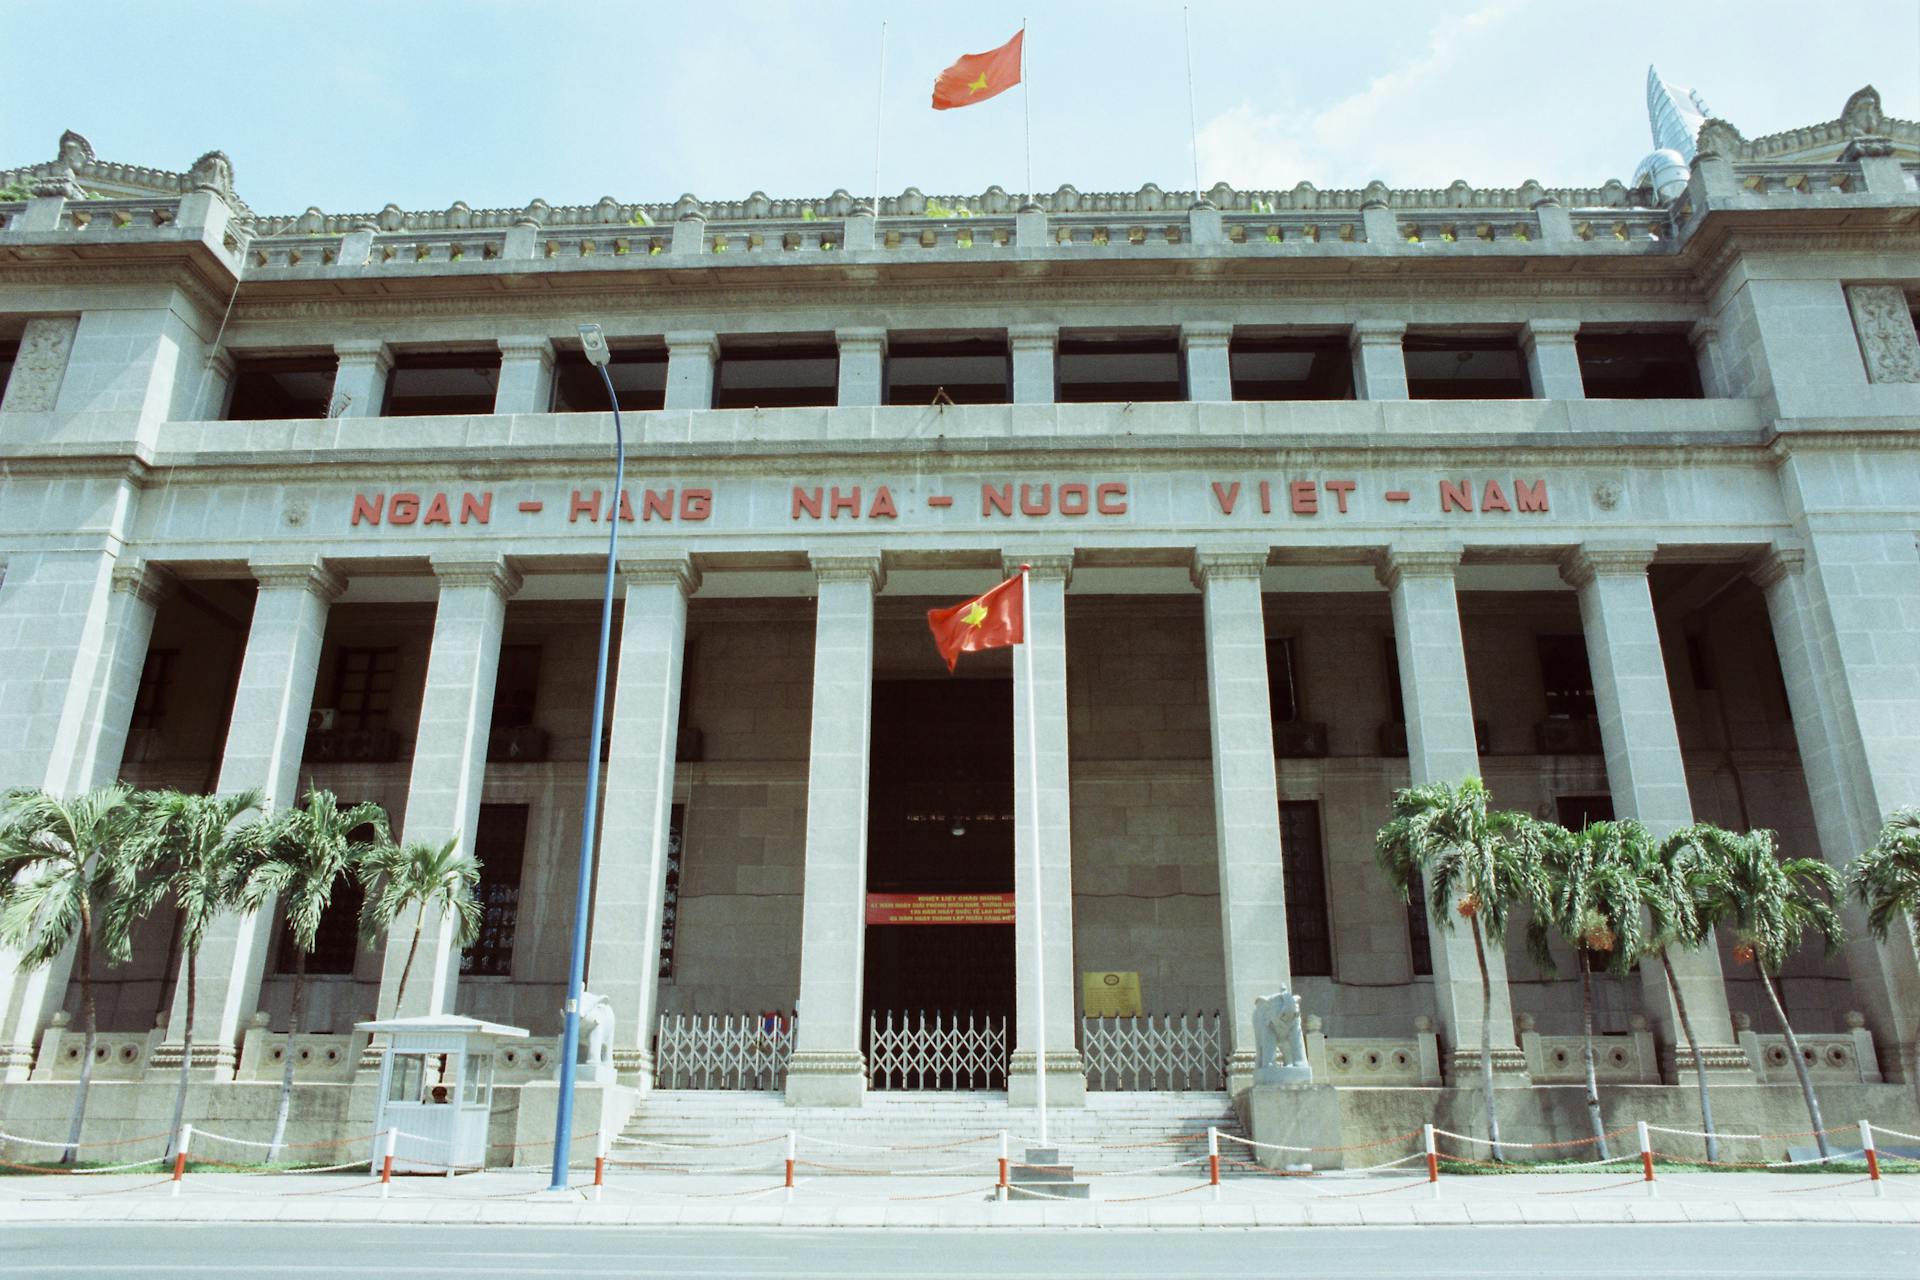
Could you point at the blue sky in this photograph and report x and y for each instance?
(350, 105)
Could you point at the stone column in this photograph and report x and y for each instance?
(449, 764)
(1553, 359)
(624, 954)
(828, 1068)
(29, 998)
(1209, 369)
(1646, 772)
(265, 741)
(1847, 659)
(1246, 797)
(360, 380)
(526, 376)
(691, 356)
(863, 367)
(1379, 364)
(1049, 959)
(1033, 347)
(1442, 746)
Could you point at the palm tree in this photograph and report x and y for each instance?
(193, 851)
(63, 869)
(304, 854)
(1886, 879)
(1592, 897)
(1475, 863)
(418, 875)
(1670, 885)
(1770, 902)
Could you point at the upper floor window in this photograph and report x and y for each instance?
(266, 388)
(1282, 368)
(965, 369)
(1122, 368)
(1566, 677)
(363, 687)
(422, 383)
(776, 373)
(639, 381)
(1303, 872)
(516, 685)
(1449, 367)
(156, 679)
(500, 845)
(1637, 366)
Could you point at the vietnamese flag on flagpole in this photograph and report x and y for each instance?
(991, 621)
(979, 76)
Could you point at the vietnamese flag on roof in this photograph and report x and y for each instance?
(979, 76)
(991, 621)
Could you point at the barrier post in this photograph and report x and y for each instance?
(1433, 1161)
(1646, 1159)
(600, 1162)
(1873, 1157)
(793, 1153)
(1213, 1160)
(386, 1161)
(1002, 1188)
(180, 1158)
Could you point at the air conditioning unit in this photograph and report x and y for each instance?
(320, 720)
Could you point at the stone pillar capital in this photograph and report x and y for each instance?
(526, 347)
(492, 572)
(144, 581)
(660, 571)
(693, 342)
(1538, 331)
(312, 576)
(862, 339)
(1773, 566)
(364, 351)
(1703, 333)
(1045, 566)
(1394, 563)
(1377, 333)
(850, 567)
(1597, 559)
(1033, 337)
(1220, 564)
(1205, 333)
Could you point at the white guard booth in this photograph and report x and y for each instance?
(436, 1088)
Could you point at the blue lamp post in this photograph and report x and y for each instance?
(594, 342)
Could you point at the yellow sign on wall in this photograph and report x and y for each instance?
(1110, 995)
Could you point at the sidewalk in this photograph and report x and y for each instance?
(652, 1199)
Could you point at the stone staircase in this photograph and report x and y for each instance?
(711, 1129)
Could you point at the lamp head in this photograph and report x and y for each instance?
(594, 343)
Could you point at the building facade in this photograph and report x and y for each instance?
(1607, 495)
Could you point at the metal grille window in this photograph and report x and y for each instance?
(670, 907)
(363, 687)
(1567, 679)
(500, 845)
(1282, 693)
(156, 676)
(1309, 939)
(1420, 935)
(515, 686)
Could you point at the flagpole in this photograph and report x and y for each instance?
(1026, 113)
(879, 115)
(1193, 119)
(1033, 805)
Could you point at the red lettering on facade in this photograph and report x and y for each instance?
(477, 507)
(584, 506)
(1266, 497)
(1227, 495)
(847, 502)
(1456, 497)
(1306, 502)
(807, 501)
(367, 508)
(1075, 500)
(654, 503)
(1529, 497)
(1110, 499)
(1494, 498)
(626, 507)
(882, 508)
(996, 500)
(438, 511)
(696, 504)
(404, 508)
(1032, 506)
(1340, 489)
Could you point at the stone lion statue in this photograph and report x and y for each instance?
(596, 1039)
(1276, 1024)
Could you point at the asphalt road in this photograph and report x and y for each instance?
(168, 1251)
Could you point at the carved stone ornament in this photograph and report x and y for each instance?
(212, 172)
(75, 150)
(41, 364)
(1884, 324)
(1606, 495)
(1718, 138)
(1862, 117)
(1276, 1023)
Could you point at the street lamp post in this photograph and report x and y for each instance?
(594, 342)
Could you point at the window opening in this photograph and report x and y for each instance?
(156, 678)
(1304, 874)
(1456, 368)
(1576, 813)
(516, 686)
(1637, 366)
(280, 387)
(639, 381)
(1565, 676)
(1128, 368)
(670, 906)
(425, 383)
(1306, 368)
(970, 370)
(363, 687)
(1282, 694)
(500, 843)
(774, 375)
(336, 943)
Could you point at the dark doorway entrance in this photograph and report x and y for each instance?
(940, 820)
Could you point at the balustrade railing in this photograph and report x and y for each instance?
(722, 1051)
(942, 1050)
(1179, 1052)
